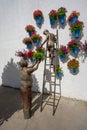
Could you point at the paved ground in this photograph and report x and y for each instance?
(70, 114)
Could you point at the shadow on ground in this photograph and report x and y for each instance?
(10, 102)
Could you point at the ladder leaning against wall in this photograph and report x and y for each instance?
(51, 97)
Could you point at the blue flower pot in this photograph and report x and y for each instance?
(24, 58)
(62, 19)
(37, 43)
(29, 46)
(32, 60)
(59, 75)
(73, 20)
(52, 21)
(62, 57)
(30, 33)
(39, 20)
(74, 71)
(75, 51)
(76, 34)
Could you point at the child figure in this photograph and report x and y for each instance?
(51, 40)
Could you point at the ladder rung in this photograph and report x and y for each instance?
(47, 64)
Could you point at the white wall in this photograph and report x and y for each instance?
(14, 16)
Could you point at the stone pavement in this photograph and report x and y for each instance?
(70, 114)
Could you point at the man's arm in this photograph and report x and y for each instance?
(44, 42)
(32, 69)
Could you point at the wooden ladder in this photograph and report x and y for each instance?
(49, 76)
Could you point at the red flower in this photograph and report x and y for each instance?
(37, 13)
(30, 28)
(27, 40)
(29, 54)
(73, 14)
(53, 14)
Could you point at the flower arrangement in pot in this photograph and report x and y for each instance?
(73, 17)
(21, 54)
(39, 54)
(73, 46)
(59, 72)
(77, 28)
(53, 17)
(63, 52)
(36, 39)
(38, 16)
(73, 66)
(62, 15)
(28, 42)
(30, 55)
(30, 29)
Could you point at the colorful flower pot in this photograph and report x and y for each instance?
(73, 19)
(36, 42)
(52, 21)
(76, 50)
(32, 59)
(59, 75)
(62, 19)
(39, 20)
(29, 46)
(24, 58)
(76, 34)
(74, 71)
(62, 57)
(30, 33)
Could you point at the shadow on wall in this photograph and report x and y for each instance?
(11, 75)
(35, 86)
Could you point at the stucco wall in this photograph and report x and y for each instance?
(14, 16)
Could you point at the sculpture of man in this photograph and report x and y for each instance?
(51, 40)
(26, 85)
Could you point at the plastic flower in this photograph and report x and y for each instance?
(30, 28)
(62, 50)
(53, 14)
(73, 44)
(37, 13)
(61, 11)
(27, 40)
(73, 64)
(78, 25)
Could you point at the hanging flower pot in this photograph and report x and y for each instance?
(73, 46)
(75, 50)
(32, 59)
(76, 29)
(73, 66)
(39, 20)
(74, 70)
(29, 46)
(62, 15)
(62, 57)
(73, 17)
(52, 21)
(62, 19)
(63, 52)
(36, 38)
(59, 75)
(36, 42)
(53, 17)
(76, 34)
(30, 29)
(28, 42)
(59, 72)
(38, 16)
